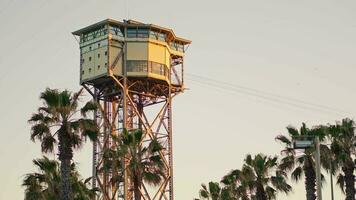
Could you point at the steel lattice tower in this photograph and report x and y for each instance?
(133, 70)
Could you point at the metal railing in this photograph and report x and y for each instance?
(147, 66)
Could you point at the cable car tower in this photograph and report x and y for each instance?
(133, 70)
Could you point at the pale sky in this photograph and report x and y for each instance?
(296, 59)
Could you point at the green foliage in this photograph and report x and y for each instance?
(45, 184)
(58, 116)
(259, 179)
(143, 160)
(57, 124)
(215, 192)
(343, 149)
(302, 163)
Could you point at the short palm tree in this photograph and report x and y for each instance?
(57, 122)
(343, 148)
(303, 163)
(262, 177)
(215, 192)
(238, 186)
(143, 161)
(45, 184)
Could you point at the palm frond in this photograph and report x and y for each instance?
(50, 97)
(65, 99)
(292, 131)
(297, 174)
(90, 106)
(283, 139)
(340, 181)
(38, 131)
(48, 142)
(75, 98)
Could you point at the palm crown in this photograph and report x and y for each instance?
(261, 176)
(142, 162)
(45, 184)
(57, 122)
(300, 163)
(215, 192)
(343, 148)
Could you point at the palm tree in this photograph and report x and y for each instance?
(237, 185)
(215, 192)
(143, 162)
(343, 148)
(45, 184)
(303, 163)
(57, 122)
(262, 177)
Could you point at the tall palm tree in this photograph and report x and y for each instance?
(263, 179)
(343, 148)
(215, 192)
(45, 184)
(143, 161)
(57, 122)
(303, 163)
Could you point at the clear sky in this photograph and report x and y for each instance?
(285, 62)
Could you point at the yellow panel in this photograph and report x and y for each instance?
(137, 50)
(157, 53)
(157, 76)
(114, 53)
(137, 74)
(168, 60)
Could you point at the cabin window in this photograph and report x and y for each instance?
(180, 47)
(106, 53)
(98, 66)
(173, 45)
(137, 66)
(90, 48)
(105, 31)
(132, 33)
(153, 35)
(98, 55)
(89, 70)
(137, 33)
(98, 45)
(176, 46)
(89, 58)
(162, 37)
(157, 68)
(115, 30)
(142, 33)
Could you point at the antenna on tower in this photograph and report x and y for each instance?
(127, 9)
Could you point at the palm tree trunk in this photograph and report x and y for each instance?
(260, 192)
(349, 181)
(137, 185)
(66, 189)
(137, 193)
(65, 156)
(310, 179)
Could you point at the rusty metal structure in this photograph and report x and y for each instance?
(133, 70)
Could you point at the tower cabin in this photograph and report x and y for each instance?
(148, 51)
